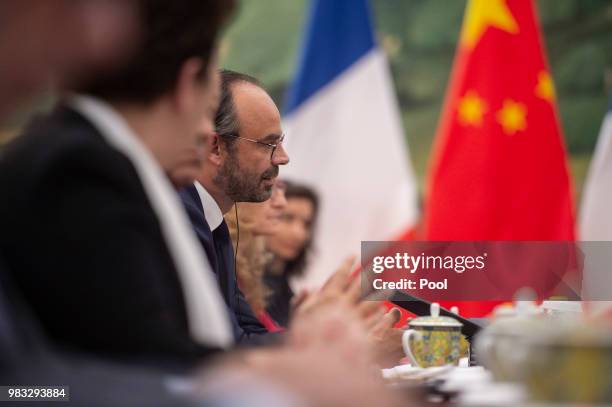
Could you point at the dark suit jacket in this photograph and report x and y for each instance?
(27, 358)
(86, 245)
(246, 326)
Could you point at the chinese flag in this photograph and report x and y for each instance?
(499, 169)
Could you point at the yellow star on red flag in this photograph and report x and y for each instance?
(482, 14)
(512, 117)
(545, 88)
(471, 109)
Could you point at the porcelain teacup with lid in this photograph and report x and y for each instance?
(433, 340)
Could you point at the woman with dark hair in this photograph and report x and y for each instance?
(290, 246)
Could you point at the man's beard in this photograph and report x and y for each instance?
(241, 186)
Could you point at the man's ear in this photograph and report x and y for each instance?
(188, 82)
(215, 150)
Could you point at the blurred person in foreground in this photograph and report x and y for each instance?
(249, 223)
(96, 382)
(93, 231)
(45, 43)
(290, 246)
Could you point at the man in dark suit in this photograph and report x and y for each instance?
(218, 247)
(98, 243)
(242, 165)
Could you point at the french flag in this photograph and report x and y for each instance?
(345, 137)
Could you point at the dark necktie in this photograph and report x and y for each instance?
(225, 259)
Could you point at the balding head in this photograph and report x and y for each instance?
(226, 120)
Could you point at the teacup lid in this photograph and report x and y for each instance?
(435, 320)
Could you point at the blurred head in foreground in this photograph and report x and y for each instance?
(168, 88)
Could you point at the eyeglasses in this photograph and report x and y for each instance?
(273, 146)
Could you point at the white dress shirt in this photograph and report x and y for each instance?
(212, 212)
(206, 311)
